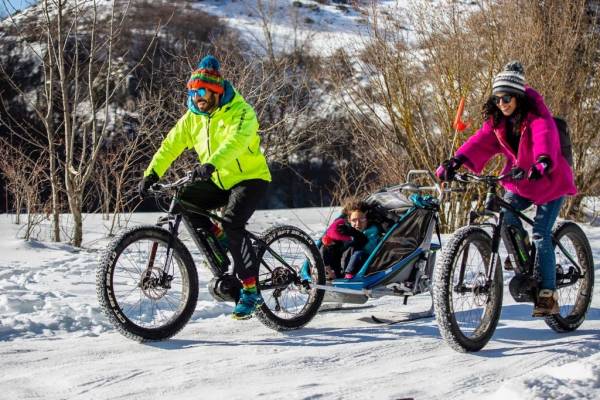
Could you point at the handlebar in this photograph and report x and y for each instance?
(159, 188)
(441, 189)
(488, 179)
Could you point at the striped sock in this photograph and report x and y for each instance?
(220, 235)
(249, 285)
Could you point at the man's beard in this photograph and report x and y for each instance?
(208, 105)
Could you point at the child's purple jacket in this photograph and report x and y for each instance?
(539, 136)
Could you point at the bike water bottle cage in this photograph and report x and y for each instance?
(517, 243)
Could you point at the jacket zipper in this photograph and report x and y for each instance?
(208, 135)
(239, 165)
(506, 145)
(209, 152)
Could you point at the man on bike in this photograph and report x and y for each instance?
(222, 128)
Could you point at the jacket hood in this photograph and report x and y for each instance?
(538, 102)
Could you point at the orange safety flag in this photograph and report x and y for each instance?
(459, 124)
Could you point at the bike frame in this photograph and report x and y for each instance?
(216, 264)
(495, 204)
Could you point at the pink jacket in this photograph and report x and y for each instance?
(539, 136)
(332, 235)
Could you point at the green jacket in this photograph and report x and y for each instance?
(227, 139)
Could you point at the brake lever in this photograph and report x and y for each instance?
(461, 178)
(516, 174)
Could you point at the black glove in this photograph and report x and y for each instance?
(204, 171)
(146, 183)
(448, 168)
(539, 169)
(358, 238)
(345, 229)
(517, 173)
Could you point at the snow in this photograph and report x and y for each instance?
(324, 28)
(55, 343)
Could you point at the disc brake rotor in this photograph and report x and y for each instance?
(153, 286)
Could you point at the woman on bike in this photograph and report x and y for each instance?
(518, 125)
(222, 128)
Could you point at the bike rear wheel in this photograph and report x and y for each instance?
(575, 298)
(289, 269)
(139, 299)
(467, 311)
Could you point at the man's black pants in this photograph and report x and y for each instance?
(239, 204)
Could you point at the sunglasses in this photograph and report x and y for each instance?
(505, 99)
(197, 92)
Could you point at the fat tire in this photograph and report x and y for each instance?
(109, 303)
(264, 314)
(584, 298)
(442, 292)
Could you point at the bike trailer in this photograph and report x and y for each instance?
(409, 223)
(404, 258)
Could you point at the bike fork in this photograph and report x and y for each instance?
(496, 239)
(173, 229)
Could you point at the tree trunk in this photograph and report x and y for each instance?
(55, 201)
(573, 208)
(75, 198)
(18, 205)
(77, 219)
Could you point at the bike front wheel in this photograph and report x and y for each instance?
(147, 284)
(574, 292)
(290, 266)
(467, 306)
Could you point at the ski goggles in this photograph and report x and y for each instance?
(197, 92)
(505, 99)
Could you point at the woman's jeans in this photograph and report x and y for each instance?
(545, 216)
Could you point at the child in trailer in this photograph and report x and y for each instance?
(348, 241)
(355, 255)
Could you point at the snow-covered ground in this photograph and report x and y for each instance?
(56, 344)
(321, 28)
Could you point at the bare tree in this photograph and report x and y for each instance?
(402, 94)
(25, 176)
(81, 78)
(117, 176)
(14, 178)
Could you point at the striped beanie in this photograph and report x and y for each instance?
(510, 80)
(207, 76)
